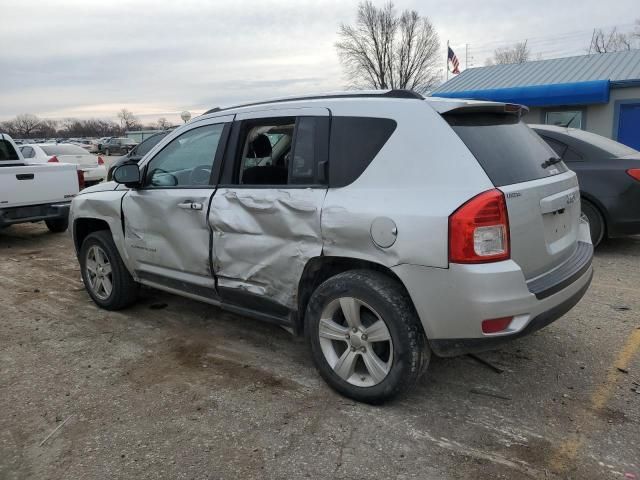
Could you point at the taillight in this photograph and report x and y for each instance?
(479, 230)
(634, 173)
(53, 159)
(100, 161)
(80, 179)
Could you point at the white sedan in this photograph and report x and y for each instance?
(92, 165)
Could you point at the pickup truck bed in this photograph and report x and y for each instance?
(33, 193)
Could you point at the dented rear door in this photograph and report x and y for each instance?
(264, 234)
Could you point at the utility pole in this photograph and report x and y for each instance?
(466, 56)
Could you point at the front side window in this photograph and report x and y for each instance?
(571, 119)
(187, 160)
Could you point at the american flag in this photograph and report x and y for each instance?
(454, 61)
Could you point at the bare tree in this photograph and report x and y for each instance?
(384, 50)
(26, 125)
(127, 119)
(518, 53)
(163, 123)
(613, 40)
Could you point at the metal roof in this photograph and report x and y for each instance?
(615, 67)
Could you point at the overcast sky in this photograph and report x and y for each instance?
(90, 58)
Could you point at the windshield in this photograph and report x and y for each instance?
(63, 149)
(612, 147)
(506, 148)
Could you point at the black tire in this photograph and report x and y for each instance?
(385, 296)
(124, 288)
(57, 225)
(596, 222)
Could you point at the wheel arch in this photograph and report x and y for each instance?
(83, 227)
(318, 269)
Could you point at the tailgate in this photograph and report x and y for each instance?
(542, 195)
(544, 222)
(37, 184)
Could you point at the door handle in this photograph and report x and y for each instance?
(190, 206)
(25, 176)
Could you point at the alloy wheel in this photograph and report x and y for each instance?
(355, 341)
(98, 272)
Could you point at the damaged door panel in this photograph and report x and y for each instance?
(166, 230)
(265, 215)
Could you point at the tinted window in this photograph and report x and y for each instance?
(7, 152)
(605, 144)
(354, 143)
(558, 147)
(146, 146)
(310, 150)
(572, 155)
(506, 148)
(187, 160)
(63, 149)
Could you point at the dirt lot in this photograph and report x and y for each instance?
(176, 389)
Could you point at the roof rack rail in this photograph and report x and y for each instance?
(396, 93)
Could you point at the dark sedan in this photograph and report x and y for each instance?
(609, 176)
(138, 152)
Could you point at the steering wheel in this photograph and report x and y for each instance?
(200, 175)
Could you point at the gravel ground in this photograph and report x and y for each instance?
(172, 388)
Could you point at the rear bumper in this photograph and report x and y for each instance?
(34, 213)
(453, 302)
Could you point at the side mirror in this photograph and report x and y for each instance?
(127, 174)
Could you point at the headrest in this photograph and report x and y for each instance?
(260, 146)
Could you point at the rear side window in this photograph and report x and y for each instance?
(354, 143)
(505, 147)
(7, 152)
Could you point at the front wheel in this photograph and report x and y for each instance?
(57, 225)
(105, 277)
(365, 337)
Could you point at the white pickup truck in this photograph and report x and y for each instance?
(33, 193)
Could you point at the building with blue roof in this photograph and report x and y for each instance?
(599, 93)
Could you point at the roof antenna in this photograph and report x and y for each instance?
(566, 125)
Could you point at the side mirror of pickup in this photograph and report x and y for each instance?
(127, 174)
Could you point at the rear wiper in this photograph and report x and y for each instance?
(551, 161)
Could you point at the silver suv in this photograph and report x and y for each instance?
(382, 225)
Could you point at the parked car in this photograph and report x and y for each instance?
(83, 143)
(382, 225)
(118, 146)
(609, 176)
(35, 193)
(139, 151)
(92, 165)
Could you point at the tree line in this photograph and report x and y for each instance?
(27, 125)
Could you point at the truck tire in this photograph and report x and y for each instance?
(57, 225)
(365, 336)
(105, 276)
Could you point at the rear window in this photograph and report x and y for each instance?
(613, 148)
(63, 150)
(7, 152)
(505, 147)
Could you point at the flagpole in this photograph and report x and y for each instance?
(446, 65)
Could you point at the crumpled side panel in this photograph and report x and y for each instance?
(262, 239)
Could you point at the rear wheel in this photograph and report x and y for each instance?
(596, 222)
(105, 277)
(57, 225)
(365, 337)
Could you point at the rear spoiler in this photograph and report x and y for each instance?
(506, 108)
